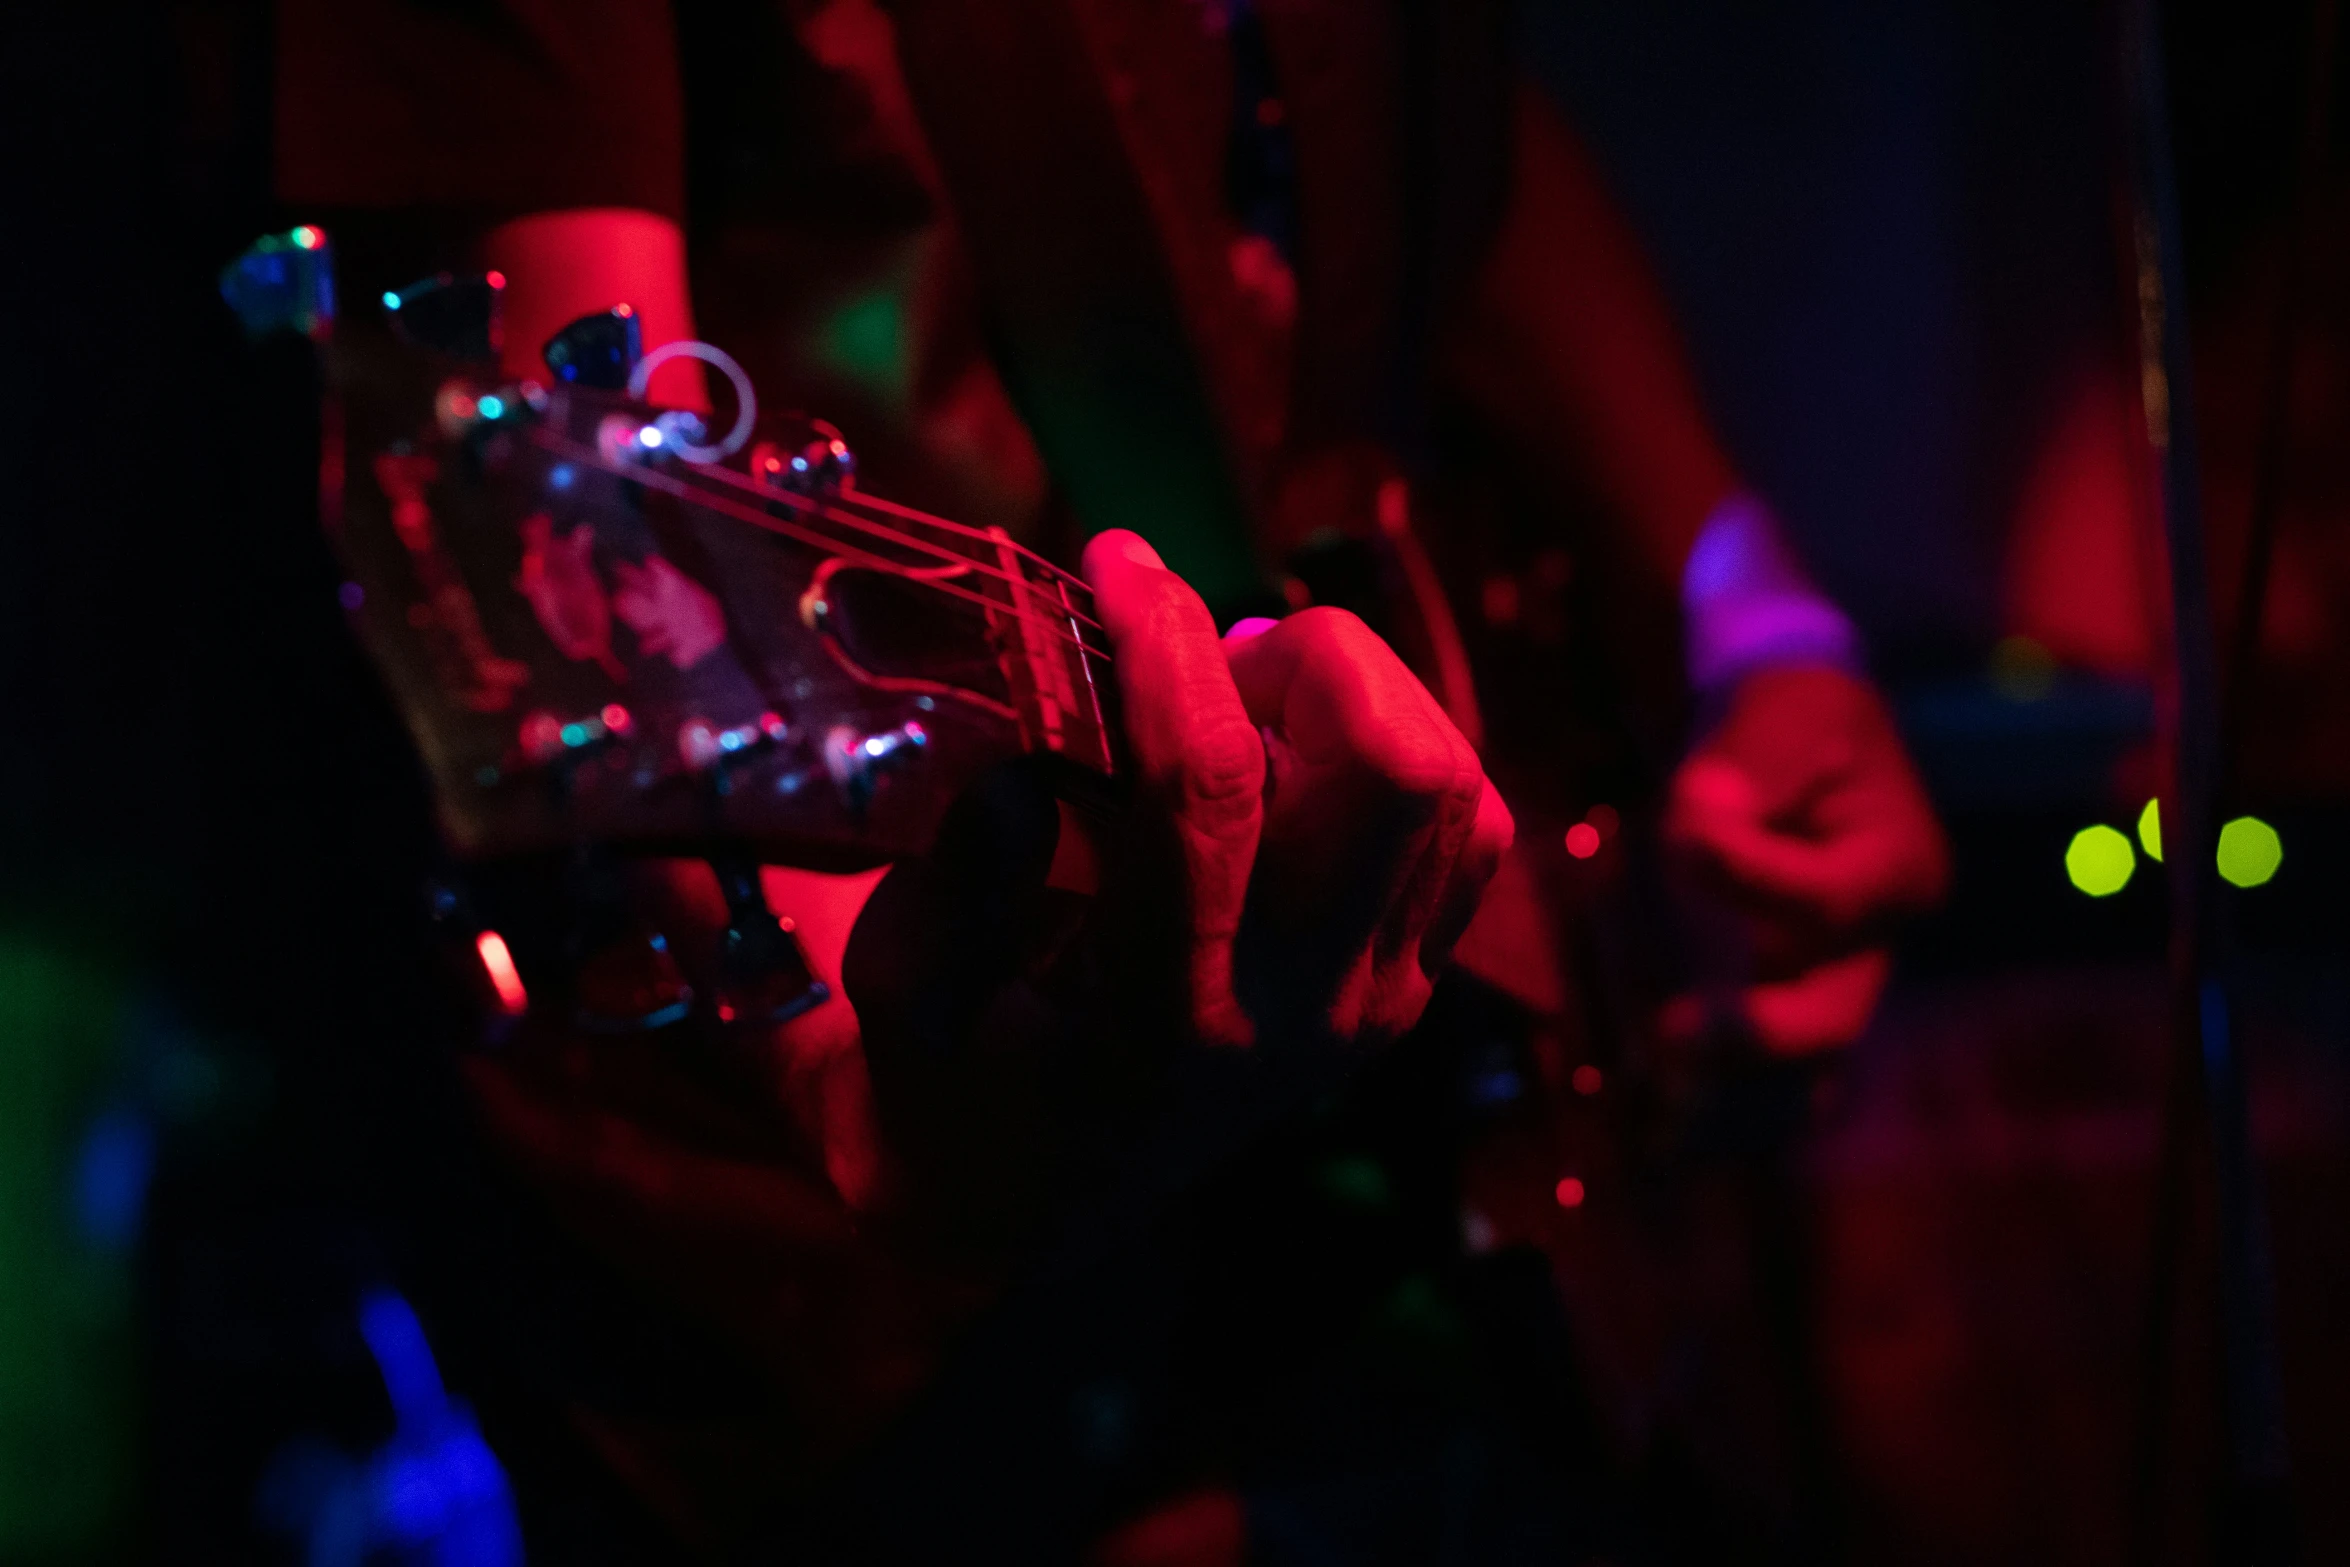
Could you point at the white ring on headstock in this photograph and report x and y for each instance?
(746, 400)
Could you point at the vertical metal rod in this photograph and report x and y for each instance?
(2269, 477)
(2253, 1519)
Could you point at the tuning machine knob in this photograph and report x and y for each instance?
(462, 317)
(549, 741)
(763, 974)
(706, 747)
(283, 283)
(631, 984)
(819, 463)
(464, 409)
(624, 977)
(599, 350)
(858, 763)
(675, 433)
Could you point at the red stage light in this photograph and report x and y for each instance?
(1569, 1192)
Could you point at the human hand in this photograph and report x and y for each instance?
(1802, 811)
(1334, 830)
(1306, 837)
(1313, 837)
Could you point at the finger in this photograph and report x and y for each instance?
(1341, 697)
(1792, 733)
(1850, 873)
(1490, 836)
(1824, 880)
(1845, 886)
(1805, 804)
(1195, 753)
(1824, 1008)
(1375, 799)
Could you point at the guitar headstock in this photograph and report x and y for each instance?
(605, 623)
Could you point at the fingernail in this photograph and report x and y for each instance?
(1250, 626)
(1136, 548)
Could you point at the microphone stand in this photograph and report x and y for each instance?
(2206, 1091)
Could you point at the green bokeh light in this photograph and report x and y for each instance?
(2249, 851)
(68, 1429)
(2150, 830)
(2100, 861)
(867, 337)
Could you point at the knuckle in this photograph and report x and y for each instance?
(1464, 792)
(1165, 605)
(1222, 770)
(1416, 759)
(1140, 605)
(1492, 830)
(1400, 739)
(1337, 635)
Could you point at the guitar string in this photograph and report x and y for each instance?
(910, 514)
(845, 508)
(1053, 627)
(906, 514)
(886, 507)
(809, 508)
(841, 504)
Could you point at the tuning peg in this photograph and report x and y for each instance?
(631, 984)
(547, 741)
(464, 409)
(622, 438)
(283, 283)
(624, 977)
(597, 351)
(859, 762)
(706, 747)
(763, 975)
(463, 317)
(819, 463)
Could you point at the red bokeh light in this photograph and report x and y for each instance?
(1569, 1192)
(504, 976)
(1582, 840)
